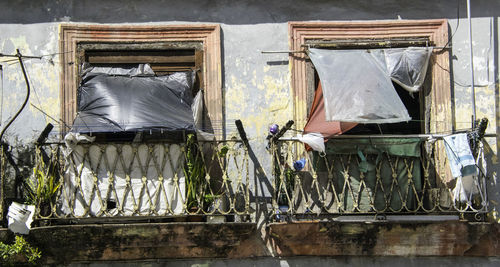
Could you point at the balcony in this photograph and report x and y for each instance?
(356, 176)
(137, 201)
(138, 181)
(381, 176)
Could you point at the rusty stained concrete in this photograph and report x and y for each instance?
(451, 238)
(138, 242)
(135, 242)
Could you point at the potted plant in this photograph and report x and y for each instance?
(42, 187)
(194, 170)
(200, 193)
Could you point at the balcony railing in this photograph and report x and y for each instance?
(159, 179)
(140, 179)
(368, 176)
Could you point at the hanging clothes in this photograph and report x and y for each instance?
(459, 155)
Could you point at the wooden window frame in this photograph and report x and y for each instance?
(438, 98)
(73, 36)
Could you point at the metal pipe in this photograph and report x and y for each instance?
(473, 93)
(283, 52)
(422, 136)
(304, 51)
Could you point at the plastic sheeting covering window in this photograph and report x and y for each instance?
(130, 99)
(407, 66)
(129, 70)
(357, 84)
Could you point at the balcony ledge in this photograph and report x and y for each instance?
(65, 244)
(385, 238)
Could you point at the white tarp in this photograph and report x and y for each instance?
(357, 84)
(92, 179)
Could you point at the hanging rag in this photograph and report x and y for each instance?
(314, 140)
(72, 139)
(465, 188)
(460, 157)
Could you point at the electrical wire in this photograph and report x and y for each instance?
(456, 28)
(36, 94)
(25, 100)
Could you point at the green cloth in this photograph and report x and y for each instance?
(409, 147)
(365, 156)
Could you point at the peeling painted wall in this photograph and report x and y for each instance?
(256, 87)
(485, 60)
(43, 74)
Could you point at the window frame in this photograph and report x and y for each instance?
(73, 36)
(438, 105)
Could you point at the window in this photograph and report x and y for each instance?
(437, 112)
(167, 48)
(365, 68)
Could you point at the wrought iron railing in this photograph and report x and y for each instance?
(159, 179)
(368, 176)
(142, 179)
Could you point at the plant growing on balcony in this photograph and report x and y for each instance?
(19, 251)
(214, 192)
(42, 187)
(194, 171)
(286, 189)
(199, 193)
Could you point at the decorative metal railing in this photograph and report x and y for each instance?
(368, 176)
(159, 179)
(140, 179)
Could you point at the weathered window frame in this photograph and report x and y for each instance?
(74, 37)
(437, 99)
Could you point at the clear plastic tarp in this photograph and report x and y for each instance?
(357, 84)
(131, 99)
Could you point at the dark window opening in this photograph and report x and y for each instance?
(412, 104)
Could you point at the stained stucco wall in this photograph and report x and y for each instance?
(256, 87)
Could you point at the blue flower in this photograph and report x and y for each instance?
(299, 164)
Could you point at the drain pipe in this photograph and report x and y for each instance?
(473, 94)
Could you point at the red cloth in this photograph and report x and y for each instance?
(316, 122)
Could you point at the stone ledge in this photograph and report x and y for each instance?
(451, 238)
(133, 242)
(147, 241)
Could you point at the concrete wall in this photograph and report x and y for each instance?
(256, 87)
(306, 261)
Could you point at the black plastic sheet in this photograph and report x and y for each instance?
(129, 100)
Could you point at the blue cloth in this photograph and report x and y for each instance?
(460, 157)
